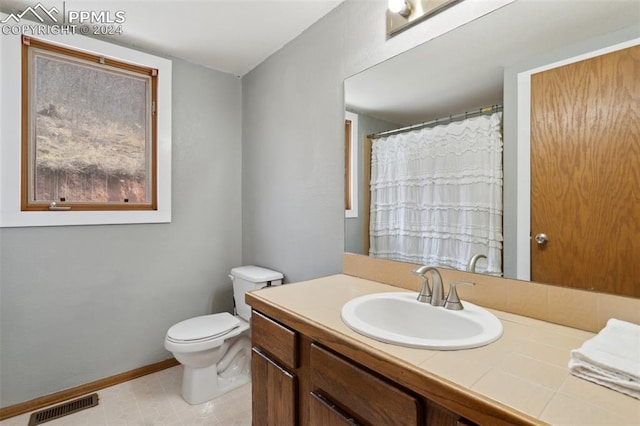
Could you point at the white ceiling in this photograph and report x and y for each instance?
(233, 36)
(462, 70)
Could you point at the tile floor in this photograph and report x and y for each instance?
(154, 400)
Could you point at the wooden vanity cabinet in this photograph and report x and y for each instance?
(299, 381)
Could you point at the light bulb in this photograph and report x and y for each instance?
(401, 7)
(396, 6)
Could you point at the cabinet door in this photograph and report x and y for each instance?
(273, 392)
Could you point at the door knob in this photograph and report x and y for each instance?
(542, 239)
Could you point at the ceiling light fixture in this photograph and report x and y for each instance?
(401, 7)
(403, 14)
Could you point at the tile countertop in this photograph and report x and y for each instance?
(526, 369)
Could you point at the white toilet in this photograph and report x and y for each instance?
(215, 350)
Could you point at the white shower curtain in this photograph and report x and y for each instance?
(436, 195)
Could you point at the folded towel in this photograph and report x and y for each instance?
(611, 358)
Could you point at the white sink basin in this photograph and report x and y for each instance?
(400, 319)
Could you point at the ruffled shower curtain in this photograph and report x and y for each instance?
(436, 195)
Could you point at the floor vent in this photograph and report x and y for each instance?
(63, 409)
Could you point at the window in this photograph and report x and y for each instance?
(89, 131)
(347, 164)
(11, 132)
(351, 165)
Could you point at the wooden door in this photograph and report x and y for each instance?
(585, 173)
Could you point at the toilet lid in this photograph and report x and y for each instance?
(203, 328)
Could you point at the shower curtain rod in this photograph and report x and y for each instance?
(443, 120)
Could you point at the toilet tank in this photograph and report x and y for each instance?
(247, 278)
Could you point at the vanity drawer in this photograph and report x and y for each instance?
(277, 340)
(323, 412)
(358, 393)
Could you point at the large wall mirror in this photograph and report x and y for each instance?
(493, 61)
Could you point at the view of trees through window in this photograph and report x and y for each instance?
(90, 137)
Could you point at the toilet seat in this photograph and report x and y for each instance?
(202, 328)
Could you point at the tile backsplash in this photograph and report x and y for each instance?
(585, 310)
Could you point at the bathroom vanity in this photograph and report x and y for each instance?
(309, 368)
(319, 386)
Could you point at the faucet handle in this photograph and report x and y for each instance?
(453, 302)
(425, 292)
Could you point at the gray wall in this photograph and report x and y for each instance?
(86, 302)
(292, 202)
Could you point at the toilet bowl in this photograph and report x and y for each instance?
(215, 349)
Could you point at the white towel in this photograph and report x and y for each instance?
(611, 358)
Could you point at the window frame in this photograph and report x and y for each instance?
(351, 165)
(11, 214)
(28, 117)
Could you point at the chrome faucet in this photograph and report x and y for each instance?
(426, 294)
(471, 267)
